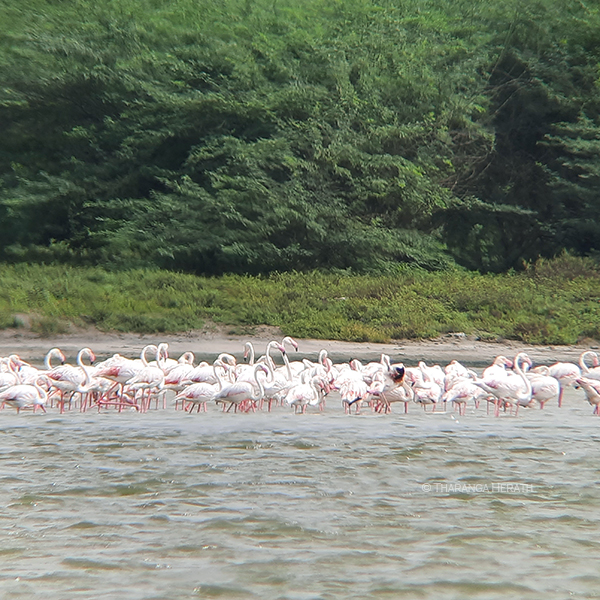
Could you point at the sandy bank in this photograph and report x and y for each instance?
(207, 345)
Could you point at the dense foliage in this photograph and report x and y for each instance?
(252, 136)
(553, 302)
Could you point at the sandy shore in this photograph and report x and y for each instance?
(207, 345)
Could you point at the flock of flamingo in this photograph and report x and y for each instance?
(122, 383)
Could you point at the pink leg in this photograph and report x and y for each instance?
(560, 396)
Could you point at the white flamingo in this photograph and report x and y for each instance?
(508, 388)
(461, 392)
(149, 382)
(68, 379)
(25, 395)
(566, 374)
(591, 387)
(594, 372)
(499, 367)
(199, 394)
(352, 387)
(427, 390)
(306, 393)
(242, 394)
(544, 387)
(8, 374)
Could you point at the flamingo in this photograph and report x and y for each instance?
(53, 353)
(25, 395)
(26, 372)
(203, 373)
(498, 367)
(8, 377)
(591, 387)
(175, 379)
(352, 387)
(544, 387)
(199, 394)
(461, 392)
(565, 373)
(594, 372)
(276, 385)
(509, 388)
(304, 394)
(249, 353)
(68, 378)
(387, 396)
(120, 369)
(454, 372)
(266, 357)
(436, 373)
(149, 380)
(242, 393)
(427, 390)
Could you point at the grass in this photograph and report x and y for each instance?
(551, 302)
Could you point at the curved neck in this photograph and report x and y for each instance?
(517, 367)
(582, 364)
(187, 358)
(219, 364)
(261, 389)
(227, 358)
(322, 357)
(143, 353)
(249, 352)
(286, 360)
(55, 352)
(41, 391)
(87, 352)
(270, 345)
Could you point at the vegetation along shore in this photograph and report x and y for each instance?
(551, 302)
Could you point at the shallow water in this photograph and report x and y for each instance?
(275, 505)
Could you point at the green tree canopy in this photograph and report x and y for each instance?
(256, 136)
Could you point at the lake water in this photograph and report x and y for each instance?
(168, 505)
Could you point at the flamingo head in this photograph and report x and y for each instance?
(291, 341)
(355, 364)
(186, 358)
(162, 352)
(261, 367)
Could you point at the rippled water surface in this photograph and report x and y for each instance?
(276, 505)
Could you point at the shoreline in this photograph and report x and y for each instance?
(206, 345)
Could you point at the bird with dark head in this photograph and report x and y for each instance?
(397, 373)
